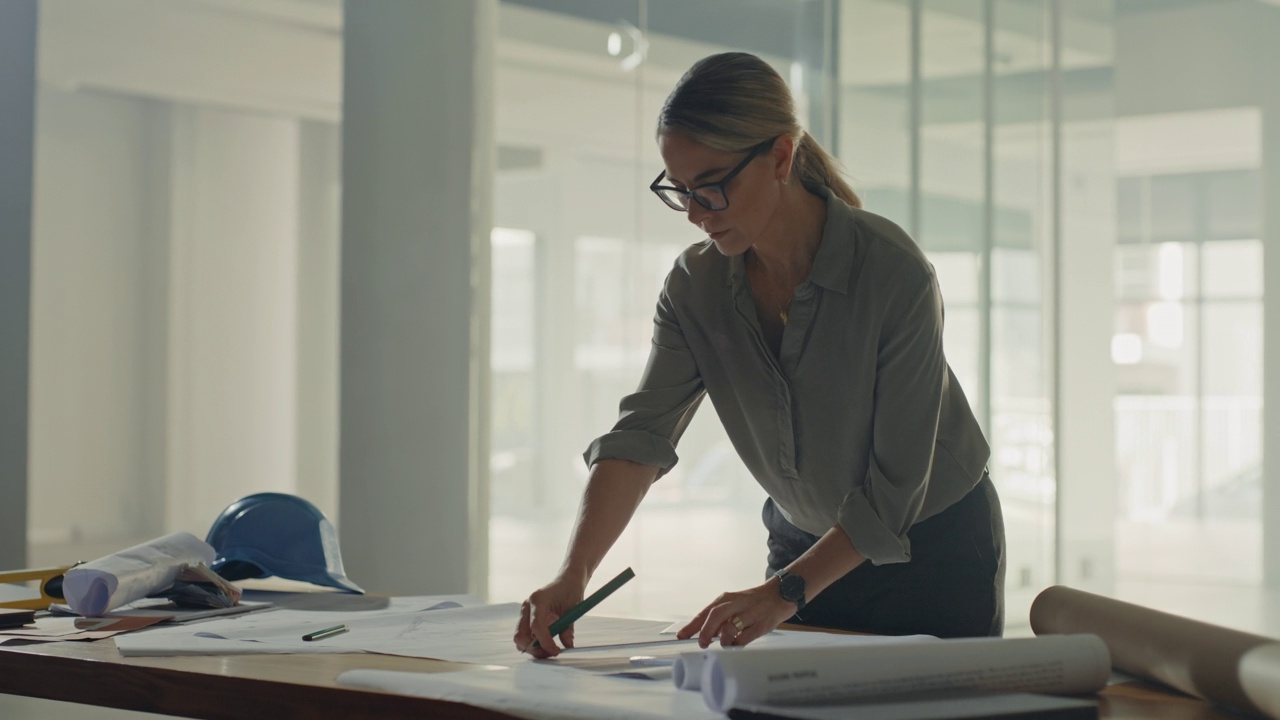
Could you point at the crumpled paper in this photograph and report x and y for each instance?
(96, 588)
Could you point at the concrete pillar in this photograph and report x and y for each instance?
(17, 141)
(417, 186)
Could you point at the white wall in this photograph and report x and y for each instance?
(165, 318)
(175, 212)
(233, 322)
(90, 288)
(278, 56)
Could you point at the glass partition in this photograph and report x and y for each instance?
(579, 88)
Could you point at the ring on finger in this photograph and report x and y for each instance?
(737, 623)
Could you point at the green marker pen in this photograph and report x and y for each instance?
(564, 621)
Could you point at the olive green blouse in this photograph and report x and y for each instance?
(858, 421)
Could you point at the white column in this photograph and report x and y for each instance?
(318, 313)
(1087, 495)
(1086, 193)
(17, 139)
(1271, 342)
(417, 188)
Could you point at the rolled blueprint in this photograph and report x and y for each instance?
(1072, 664)
(1195, 657)
(98, 587)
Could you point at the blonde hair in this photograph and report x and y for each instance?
(733, 101)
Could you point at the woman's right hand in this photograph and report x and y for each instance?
(543, 607)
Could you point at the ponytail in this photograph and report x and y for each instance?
(816, 169)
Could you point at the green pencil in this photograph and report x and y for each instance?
(564, 621)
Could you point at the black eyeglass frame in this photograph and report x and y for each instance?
(718, 185)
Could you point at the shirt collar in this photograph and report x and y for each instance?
(833, 265)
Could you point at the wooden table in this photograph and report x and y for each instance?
(238, 686)
(288, 686)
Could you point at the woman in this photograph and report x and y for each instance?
(816, 328)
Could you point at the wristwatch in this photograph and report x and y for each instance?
(791, 588)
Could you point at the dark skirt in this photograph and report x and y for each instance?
(952, 587)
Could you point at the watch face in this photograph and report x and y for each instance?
(792, 588)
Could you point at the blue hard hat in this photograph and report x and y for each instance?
(277, 534)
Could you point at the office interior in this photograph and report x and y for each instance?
(400, 258)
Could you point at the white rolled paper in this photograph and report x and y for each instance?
(1067, 664)
(686, 671)
(96, 588)
(687, 668)
(1260, 677)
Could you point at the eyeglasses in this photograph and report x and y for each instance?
(711, 195)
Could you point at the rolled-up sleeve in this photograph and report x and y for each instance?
(911, 377)
(652, 419)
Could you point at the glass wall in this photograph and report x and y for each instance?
(579, 257)
(1188, 344)
(945, 128)
(1029, 149)
(1090, 194)
(1094, 218)
(1190, 303)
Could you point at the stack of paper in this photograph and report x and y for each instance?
(785, 675)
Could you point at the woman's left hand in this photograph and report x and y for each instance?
(740, 617)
